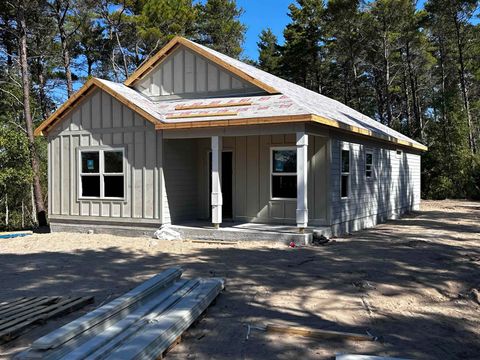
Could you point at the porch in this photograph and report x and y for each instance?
(245, 231)
(246, 181)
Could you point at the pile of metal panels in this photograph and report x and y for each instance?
(141, 324)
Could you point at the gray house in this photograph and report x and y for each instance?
(195, 137)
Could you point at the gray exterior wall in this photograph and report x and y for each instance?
(100, 120)
(187, 179)
(186, 74)
(393, 190)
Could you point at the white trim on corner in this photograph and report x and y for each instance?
(101, 172)
(272, 149)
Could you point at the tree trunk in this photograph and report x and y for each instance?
(463, 86)
(22, 27)
(66, 60)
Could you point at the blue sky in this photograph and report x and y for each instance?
(260, 14)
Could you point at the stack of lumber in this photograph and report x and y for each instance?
(19, 315)
(141, 324)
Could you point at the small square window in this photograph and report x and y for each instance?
(284, 161)
(90, 162)
(101, 174)
(91, 186)
(284, 187)
(113, 161)
(114, 186)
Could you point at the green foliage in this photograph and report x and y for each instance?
(219, 27)
(269, 52)
(160, 20)
(417, 71)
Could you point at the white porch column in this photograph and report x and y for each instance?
(302, 165)
(217, 200)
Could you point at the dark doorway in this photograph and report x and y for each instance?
(227, 188)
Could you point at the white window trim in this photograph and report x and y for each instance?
(345, 148)
(372, 176)
(101, 172)
(272, 174)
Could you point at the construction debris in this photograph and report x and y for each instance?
(141, 324)
(166, 233)
(19, 315)
(316, 333)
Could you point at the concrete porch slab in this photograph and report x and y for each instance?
(230, 231)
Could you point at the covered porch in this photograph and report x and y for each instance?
(263, 179)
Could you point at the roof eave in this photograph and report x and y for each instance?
(85, 90)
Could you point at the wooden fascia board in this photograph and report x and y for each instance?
(234, 122)
(365, 132)
(289, 118)
(148, 65)
(143, 70)
(72, 103)
(64, 109)
(127, 103)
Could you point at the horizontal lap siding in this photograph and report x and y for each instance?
(394, 188)
(101, 120)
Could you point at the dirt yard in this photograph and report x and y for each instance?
(409, 282)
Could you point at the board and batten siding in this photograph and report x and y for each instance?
(102, 121)
(393, 190)
(185, 72)
(180, 174)
(187, 179)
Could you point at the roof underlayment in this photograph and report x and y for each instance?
(291, 100)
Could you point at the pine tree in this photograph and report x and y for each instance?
(269, 52)
(302, 54)
(219, 26)
(160, 20)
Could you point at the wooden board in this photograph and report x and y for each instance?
(315, 333)
(20, 314)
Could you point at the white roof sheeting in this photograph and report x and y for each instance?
(311, 101)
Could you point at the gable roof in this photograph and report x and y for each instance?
(303, 104)
(127, 96)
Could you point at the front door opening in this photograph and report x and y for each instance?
(226, 185)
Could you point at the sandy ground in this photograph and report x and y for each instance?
(409, 282)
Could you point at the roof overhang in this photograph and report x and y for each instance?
(289, 119)
(151, 63)
(81, 94)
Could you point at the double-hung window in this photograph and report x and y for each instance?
(369, 164)
(284, 173)
(102, 174)
(345, 177)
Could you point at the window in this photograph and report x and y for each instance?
(345, 181)
(399, 153)
(284, 173)
(102, 174)
(369, 164)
